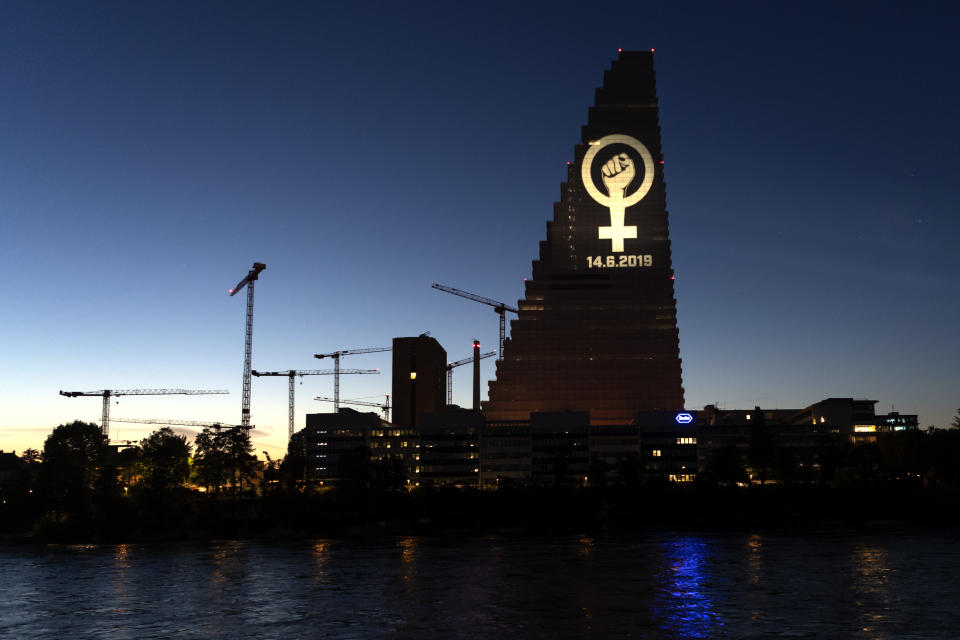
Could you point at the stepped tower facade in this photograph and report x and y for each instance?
(597, 328)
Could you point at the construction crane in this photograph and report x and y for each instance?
(109, 393)
(385, 406)
(452, 365)
(252, 276)
(180, 423)
(499, 307)
(336, 367)
(292, 373)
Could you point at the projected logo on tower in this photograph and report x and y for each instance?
(615, 159)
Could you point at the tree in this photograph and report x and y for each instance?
(72, 457)
(956, 420)
(223, 456)
(293, 467)
(129, 465)
(239, 455)
(164, 459)
(388, 474)
(725, 465)
(209, 463)
(353, 469)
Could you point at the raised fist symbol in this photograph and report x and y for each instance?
(618, 172)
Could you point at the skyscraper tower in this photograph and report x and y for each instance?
(597, 328)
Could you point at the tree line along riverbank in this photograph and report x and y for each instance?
(80, 489)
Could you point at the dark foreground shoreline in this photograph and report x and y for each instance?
(186, 515)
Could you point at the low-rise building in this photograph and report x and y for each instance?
(363, 437)
(450, 447)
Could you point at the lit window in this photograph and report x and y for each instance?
(686, 441)
(748, 416)
(413, 375)
(864, 428)
(656, 453)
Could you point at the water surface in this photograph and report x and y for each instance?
(891, 585)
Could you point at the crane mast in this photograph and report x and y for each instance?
(252, 276)
(336, 355)
(499, 307)
(291, 374)
(109, 393)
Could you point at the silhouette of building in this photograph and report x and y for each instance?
(459, 447)
(365, 436)
(597, 328)
(894, 421)
(795, 439)
(450, 447)
(419, 379)
(10, 463)
(668, 447)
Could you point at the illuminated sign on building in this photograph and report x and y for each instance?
(618, 173)
(683, 418)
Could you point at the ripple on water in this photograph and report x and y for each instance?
(664, 586)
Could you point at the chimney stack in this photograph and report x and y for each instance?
(476, 375)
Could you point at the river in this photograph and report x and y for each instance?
(849, 585)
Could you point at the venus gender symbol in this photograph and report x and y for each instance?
(618, 173)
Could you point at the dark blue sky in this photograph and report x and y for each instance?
(150, 152)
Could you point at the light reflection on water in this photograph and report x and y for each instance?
(871, 577)
(684, 602)
(321, 550)
(664, 586)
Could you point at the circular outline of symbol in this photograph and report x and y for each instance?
(606, 141)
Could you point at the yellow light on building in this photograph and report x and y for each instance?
(413, 375)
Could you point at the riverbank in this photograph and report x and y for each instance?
(185, 515)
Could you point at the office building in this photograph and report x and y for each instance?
(419, 379)
(597, 328)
